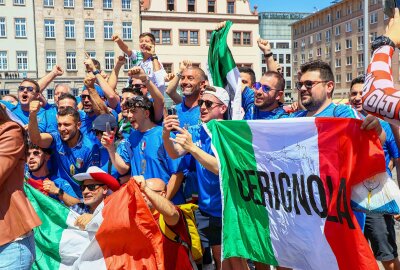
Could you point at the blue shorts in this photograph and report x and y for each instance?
(210, 229)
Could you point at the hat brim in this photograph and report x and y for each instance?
(104, 178)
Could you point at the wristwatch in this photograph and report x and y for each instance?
(382, 41)
(60, 192)
(95, 72)
(268, 55)
(154, 57)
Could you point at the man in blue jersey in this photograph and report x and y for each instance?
(63, 101)
(379, 229)
(72, 151)
(195, 141)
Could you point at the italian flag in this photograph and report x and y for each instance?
(121, 235)
(223, 70)
(286, 188)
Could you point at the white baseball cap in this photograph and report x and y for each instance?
(219, 93)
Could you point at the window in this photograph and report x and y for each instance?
(69, 29)
(310, 54)
(242, 38)
(88, 3)
(328, 18)
(349, 10)
(108, 30)
(295, 58)
(51, 60)
(338, 47)
(191, 5)
(230, 8)
(348, 27)
(338, 78)
(338, 14)
(327, 51)
(22, 60)
(280, 58)
(107, 4)
(303, 44)
(319, 52)
(295, 44)
(360, 60)
(109, 58)
(337, 30)
(184, 37)
(168, 67)
(287, 58)
(209, 33)
(288, 72)
(71, 61)
(360, 42)
(162, 36)
(75, 92)
(211, 6)
(49, 29)
(360, 24)
(48, 3)
(128, 63)
(349, 77)
(3, 32)
(310, 39)
(127, 30)
(338, 62)
(126, 4)
(3, 60)
(92, 54)
(349, 43)
(328, 35)
(69, 3)
(89, 29)
(373, 18)
(373, 36)
(318, 37)
(303, 58)
(282, 45)
(19, 2)
(20, 27)
(349, 60)
(170, 5)
(50, 93)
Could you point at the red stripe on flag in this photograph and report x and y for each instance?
(129, 237)
(347, 152)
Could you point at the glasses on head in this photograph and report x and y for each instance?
(91, 187)
(265, 88)
(22, 88)
(208, 103)
(83, 97)
(308, 84)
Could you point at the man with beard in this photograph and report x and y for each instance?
(63, 101)
(262, 102)
(72, 150)
(41, 179)
(28, 91)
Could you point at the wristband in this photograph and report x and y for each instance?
(154, 57)
(95, 72)
(60, 192)
(268, 55)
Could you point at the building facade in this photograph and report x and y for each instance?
(18, 46)
(276, 28)
(336, 35)
(183, 29)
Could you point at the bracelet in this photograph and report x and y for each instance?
(268, 55)
(154, 57)
(95, 72)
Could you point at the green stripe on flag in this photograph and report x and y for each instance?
(48, 235)
(220, 59)
(242, 236)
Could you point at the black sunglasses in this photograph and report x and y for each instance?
(98, 132)
(207, 103)
(91, 187)
(22, 88)
(35, 153)
(308, 84)
(83, 97)
(137, 85)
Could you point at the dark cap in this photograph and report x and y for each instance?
(100, 122)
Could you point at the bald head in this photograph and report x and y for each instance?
(157, 185)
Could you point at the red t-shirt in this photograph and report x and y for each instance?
(175, 254)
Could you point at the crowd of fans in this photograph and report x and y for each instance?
(130, 135)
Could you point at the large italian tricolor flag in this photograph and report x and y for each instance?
(286, 188)
(122, 234)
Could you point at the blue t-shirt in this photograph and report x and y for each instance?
(151, 160)
(69, 161)
(59, 182)
(187, 116)
(208, 183)
(51, 117)
(389, 147)
(24, 115)
(87, 124)
(123, 148)
(252, 112)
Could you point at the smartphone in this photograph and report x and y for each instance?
(389, 6)
(171, 110)
(108, 130)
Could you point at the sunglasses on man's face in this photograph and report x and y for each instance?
(35, 153)
(138, 85)
(308, 84)
(265, 88)
(208, 103)
(91, 187)
(22, 88)
(83, 97)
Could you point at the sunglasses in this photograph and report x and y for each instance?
(137, 85)
(91, 187)
(264, 87)
(308, 84)
(98, 132)
(35, 153)
(83, 97)
(208, 103)
(22, 88)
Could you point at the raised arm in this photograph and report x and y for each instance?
(42, 140)
(113, 80)
(48, 78)
(265, 48)
(116, 159)
(98, 104)
(173, 150)
(122, 45)
(174, 82)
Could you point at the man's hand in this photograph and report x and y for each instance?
(89, 64)
(371, 122)
(83, 220)
(139, 180)
(89, 80)
(57, 71)
(169, 77)
(220, 25)
(393, 28)
(115, 38)
(138, 73)
(50, 187)
(170, 121)
(104, 75)
(120, 61)
(264, 45)
(107, 140)
(184, 65)
(184, 139)
(34, 106)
